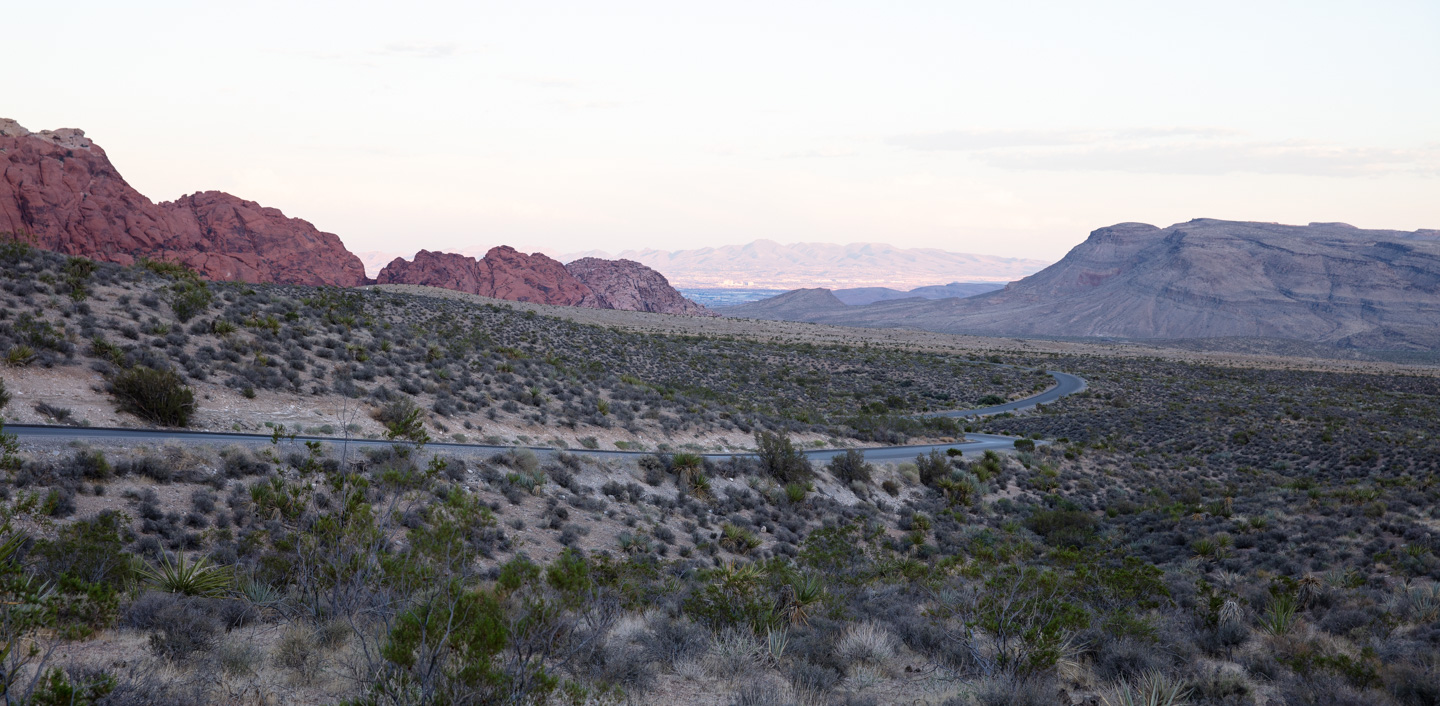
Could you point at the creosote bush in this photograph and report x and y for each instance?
(158, 396)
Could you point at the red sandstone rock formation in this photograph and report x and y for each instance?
(503, 273)
(629, 285)
(60, 188)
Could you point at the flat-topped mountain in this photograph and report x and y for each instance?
(60, 189)
(1326, 283)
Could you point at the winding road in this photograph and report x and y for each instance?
(1065, 384)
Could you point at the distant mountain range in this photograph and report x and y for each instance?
(766, 264)
(1327, 283)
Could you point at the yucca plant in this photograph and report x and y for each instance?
(1280, 617)
(776, 640)
(1153, 689)
(738, 539)
(1424, 602)
(806, 591)
(261, 594)
(198, 578)
(19, 356)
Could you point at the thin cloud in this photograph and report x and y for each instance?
(1172, 150)
(420, 50)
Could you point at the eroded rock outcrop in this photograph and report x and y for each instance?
(60, 188)
(631, 286)
(504, 273)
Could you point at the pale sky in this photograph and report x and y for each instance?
(1000, 128)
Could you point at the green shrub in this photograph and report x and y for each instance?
(4, 394)
(157, 396)
(77, 276)
(781, 459)
(404, 421)
(188, 298)
(933, 467)
(796, 492)
(9, 450)
(1026, 445)
(851, 467)
(1063, 528)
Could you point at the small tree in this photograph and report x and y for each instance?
(157, 396)
(781, 459)
(851, 466)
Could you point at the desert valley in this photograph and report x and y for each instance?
(244, 460)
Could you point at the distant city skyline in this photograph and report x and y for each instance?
(1008, 130)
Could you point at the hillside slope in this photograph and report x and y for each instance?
(1325, 283)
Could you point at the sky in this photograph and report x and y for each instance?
(1007, 129)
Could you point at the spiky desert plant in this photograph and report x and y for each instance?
(738, 539)
(198, 578)
(1280, 617)
(806, 591)
(1152, 689)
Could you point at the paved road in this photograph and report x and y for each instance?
(1066, 384)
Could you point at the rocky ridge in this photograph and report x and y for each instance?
(504, 273)
(59, 189)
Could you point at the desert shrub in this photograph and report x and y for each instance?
(1063, 528)
(4, 394)
(89, 550)
(297, 651)
(183, 630)
(866, 643)
(157, 396)
(1128, 659)
(1012, 690)
(932, 467)
(850, 467)
(780, 458)
(189, 297)
(73, 686)
(670, 641)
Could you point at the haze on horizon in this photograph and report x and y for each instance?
(1009, 130)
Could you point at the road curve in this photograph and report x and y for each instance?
(1066, 384)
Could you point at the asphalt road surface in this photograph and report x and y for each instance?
(1066, 384)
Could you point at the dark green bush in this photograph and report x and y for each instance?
(157, 396)
(1063, 528)
(781, 459)
(851, 466)
(188, 298)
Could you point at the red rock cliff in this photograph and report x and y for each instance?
(503, 273)
(60, 188)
